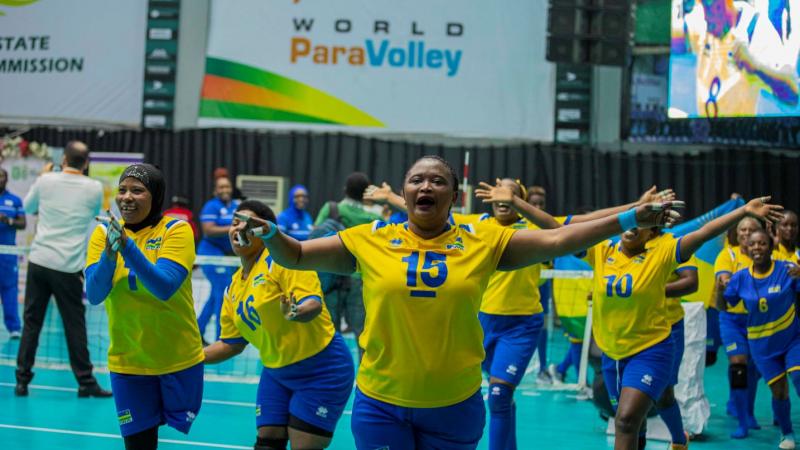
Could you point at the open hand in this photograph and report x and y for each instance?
(653, 196)
(494, 194)
(759, 208)
(378, 194)
(289, 307)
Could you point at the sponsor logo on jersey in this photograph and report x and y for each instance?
(153, 244)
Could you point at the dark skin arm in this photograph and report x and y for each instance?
(686, 284)
(18, 223)
(221, 351)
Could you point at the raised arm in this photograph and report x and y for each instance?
(758, 208)
(502, 194)
(528, 247)
(385, 195)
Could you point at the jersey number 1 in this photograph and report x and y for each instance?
(623, 286)
(433, 263)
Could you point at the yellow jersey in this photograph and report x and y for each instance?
(629, 296)
(731, 260)
(516, 292)
(151, 336)
(674, 311)
(251, 309)
(781, 253)
(422, 341)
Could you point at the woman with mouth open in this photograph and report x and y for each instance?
(419, 381)
(768, 289)
(141, 268)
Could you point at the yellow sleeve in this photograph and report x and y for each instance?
(497, 237)
(352, 236)
(97, 245)
(303, 284)
(668, 253)
(226, 316)
(592, 252)
(690, 264)
(178, 245)
(724, 262)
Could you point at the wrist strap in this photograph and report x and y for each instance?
(273, 229)
(627, 220)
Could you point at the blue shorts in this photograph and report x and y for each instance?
(147, 401)
(679, 340)
(733, 330)
(509, 342)
(314, 390)
(380, 425)
(713, 339)
(775, 367)
(648, 371)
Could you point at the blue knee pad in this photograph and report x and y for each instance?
(501, 396)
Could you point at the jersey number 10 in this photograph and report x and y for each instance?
(623, 286)
(433, 274)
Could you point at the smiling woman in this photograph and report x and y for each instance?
(140, 269)
(423, 284)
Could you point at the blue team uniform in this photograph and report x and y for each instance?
(773, 330)
(10, 206)
(220, 214)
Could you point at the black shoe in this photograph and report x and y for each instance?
(93, 390)
(21, 390)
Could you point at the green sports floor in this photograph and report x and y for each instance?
(53, 418)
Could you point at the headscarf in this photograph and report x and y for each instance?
(297, 213)
(293, 220)
(153, 180)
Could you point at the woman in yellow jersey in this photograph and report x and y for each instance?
(512, 317)
(629, 323)
(786, 248)
(419, 380)
(742, 374)
(308, 371)
(141, 270)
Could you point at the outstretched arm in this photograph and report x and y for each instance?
(758, 208)
(327, 254)
(649, 196)
(528, 247)
(385, 195)
(501, 194)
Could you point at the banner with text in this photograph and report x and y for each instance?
(72, 61)
(418, 66)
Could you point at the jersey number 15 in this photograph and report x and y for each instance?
(433, 274)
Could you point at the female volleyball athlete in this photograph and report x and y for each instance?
(308, 371)
(742, 375)
(786, 248)
(419, 380)
(773, 331)
(629, 322)
(141, 269)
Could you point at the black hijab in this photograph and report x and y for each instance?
(153, 180)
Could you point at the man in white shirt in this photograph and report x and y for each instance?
(66, 203)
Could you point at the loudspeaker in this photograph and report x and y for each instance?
(590, 31)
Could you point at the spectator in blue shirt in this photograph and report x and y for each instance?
(215, 219)
(12, 218)
(295, 220)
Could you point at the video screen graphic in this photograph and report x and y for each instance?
(734, 58)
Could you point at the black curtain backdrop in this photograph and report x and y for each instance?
(575, 177)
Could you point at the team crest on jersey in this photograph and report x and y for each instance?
(124, 416)
(774, 289)
(457, 245)
(259, 280)
(639, 259)
(153, 244)
(610, 260)
(396, 242)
